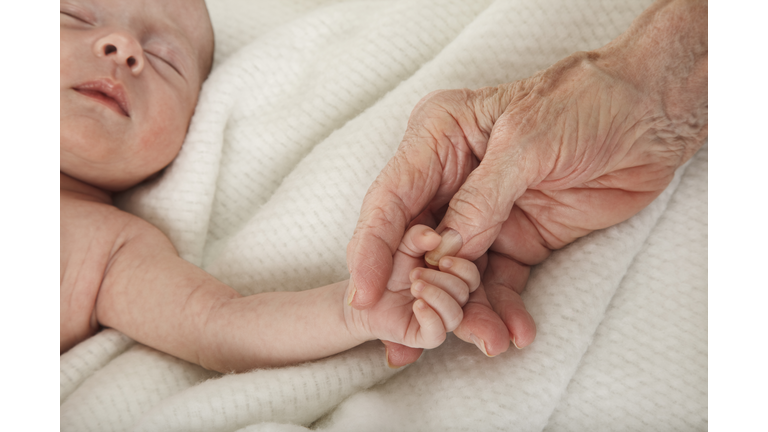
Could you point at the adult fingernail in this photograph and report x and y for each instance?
(352, 291)
(450, 244)
(480, 344)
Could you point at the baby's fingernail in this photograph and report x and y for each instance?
(418, 287)
(480, 344)
(415, 274)
(446, 263)
(515, 343)
(431, 233)
(351, 295)
(450, 244)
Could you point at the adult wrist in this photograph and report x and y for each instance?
(665, 47)
(664, 57)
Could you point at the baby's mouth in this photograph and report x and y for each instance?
(106, 92)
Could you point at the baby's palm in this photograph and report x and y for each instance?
(419, 307)
(393, 318)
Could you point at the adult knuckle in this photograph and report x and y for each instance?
(449, 100)
(470, 203)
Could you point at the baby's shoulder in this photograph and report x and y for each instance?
(84, 218)
(96, 229)
(91, 232)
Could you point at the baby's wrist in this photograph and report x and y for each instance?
(356, 321)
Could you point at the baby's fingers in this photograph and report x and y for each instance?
(441, 302)
(453, 285)
(462, 269)
(418, 240)
(431, 331)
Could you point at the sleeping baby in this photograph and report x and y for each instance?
(131, 73)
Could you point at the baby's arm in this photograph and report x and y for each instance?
(154, 296)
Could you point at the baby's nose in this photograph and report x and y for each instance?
(122, 49)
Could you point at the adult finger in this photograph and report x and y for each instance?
(438, 152)
(504, 280)
(476, 211)
(482, 326)
(399, 355)
(389, 206)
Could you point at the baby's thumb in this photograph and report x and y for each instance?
(477, 210)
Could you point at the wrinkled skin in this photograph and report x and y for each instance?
(523, 169)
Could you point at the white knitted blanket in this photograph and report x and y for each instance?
(307, 102)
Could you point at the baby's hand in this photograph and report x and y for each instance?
(420, 304)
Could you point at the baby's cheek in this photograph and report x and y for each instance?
(163, 137)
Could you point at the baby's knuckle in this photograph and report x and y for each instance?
(463, 295)
(456, 319)
(437, 340)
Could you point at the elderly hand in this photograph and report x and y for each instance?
(525, 168)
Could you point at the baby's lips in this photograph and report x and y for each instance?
(109, 92)
(450, 245)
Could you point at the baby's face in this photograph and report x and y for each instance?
(131, 72)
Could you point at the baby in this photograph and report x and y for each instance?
(130, 77)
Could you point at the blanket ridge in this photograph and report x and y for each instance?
(307, 102)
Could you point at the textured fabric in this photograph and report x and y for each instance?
(651, 347)
(307, 102)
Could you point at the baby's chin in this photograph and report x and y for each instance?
(109, 177)
(114, 165)
(107, 183)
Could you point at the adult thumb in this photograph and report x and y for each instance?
(484, 201)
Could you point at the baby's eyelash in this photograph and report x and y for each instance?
(73, 16)
(164, 61)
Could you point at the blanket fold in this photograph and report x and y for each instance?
(306, 104)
